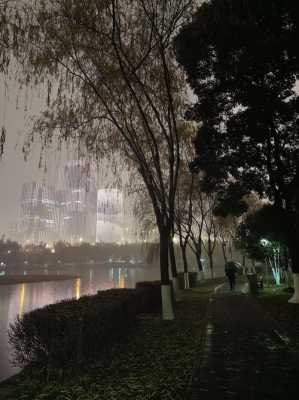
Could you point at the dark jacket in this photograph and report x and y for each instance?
(230, 268)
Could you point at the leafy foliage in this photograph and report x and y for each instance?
(242, 63)
(269, 224)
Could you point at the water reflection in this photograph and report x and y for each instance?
(19, 299)
(78, 288)
(22, 299)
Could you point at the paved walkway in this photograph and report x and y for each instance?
(245, 355)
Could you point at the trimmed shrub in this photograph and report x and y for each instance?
(73, 331)
(152, 295)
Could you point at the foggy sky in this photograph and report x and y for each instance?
(16, 107)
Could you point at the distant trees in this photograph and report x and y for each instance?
(9, 251)
(241, 59)
(13, 254)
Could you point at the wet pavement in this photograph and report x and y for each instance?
(246, 355)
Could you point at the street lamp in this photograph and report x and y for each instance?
(265, 242)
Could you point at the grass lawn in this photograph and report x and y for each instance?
(275, 302)
(155, 362)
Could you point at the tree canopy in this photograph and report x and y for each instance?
(241, 59)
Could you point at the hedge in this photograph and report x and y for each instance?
(71, 332)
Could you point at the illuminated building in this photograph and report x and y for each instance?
(77, 182)
(110, 216)
(39, 213)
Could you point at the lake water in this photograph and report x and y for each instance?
(19, 299)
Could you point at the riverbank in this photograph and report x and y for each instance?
(19, 279)
(156, 362)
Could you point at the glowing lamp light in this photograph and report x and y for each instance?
(265, 242)
(175, 240)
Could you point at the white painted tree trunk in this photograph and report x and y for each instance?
(295, 297)
(186, 280)
(167, 305)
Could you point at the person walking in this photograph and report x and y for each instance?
(230, 272)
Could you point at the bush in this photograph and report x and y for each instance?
(73, 331)
(152, 295)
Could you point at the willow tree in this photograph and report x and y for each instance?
(113, 85)
(4, 55)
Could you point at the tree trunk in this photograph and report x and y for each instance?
(184, 256)
(223, 246)
(294, 256)
(295, 297)
(174, 272)
(211, 265)
(166, 289)
(211, 261)
(185, 264)
(172, 258)
(198, 260)
(199, 265)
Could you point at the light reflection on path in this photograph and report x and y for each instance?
(19, 299)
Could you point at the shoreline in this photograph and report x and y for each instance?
(19, 279)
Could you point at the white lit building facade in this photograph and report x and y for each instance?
(77, 181)
(39, 213)
(110, 216)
